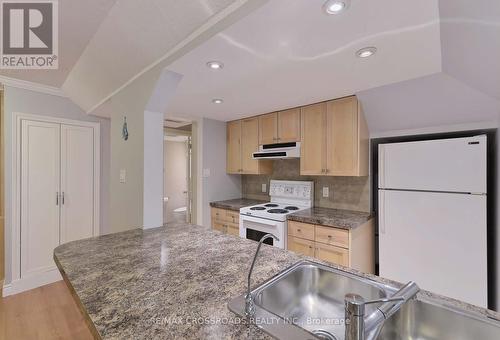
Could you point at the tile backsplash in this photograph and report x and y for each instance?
(352, 193)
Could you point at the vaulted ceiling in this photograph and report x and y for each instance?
(437, 60)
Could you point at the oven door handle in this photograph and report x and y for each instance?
(259, 220)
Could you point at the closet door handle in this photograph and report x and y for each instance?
(62, 198)
(57, 198)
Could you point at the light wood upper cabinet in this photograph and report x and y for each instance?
(347, 138)
(249, 145)
(344, 135)
(242, 142)
(280, 127)
(233, 145)
(289, 125)
(312, 149)
(334, 139)
(268, 128)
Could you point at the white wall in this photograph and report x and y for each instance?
(215, 184)
(153, 170)
(24, 101)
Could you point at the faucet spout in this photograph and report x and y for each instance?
(249, 304)
(357, 326)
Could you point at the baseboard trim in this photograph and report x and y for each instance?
(35, 281)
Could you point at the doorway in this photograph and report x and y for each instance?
(177, 183)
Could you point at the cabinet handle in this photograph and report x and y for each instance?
(57, 198)
(310, 247)
(62, 198)
(330, 237)
(298, 230)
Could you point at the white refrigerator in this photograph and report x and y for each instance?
(432, 216)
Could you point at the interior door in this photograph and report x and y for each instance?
(437, 240)
(40, 187)
(77, 182)
(312, 149)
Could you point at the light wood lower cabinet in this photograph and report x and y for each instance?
(332, 254)
(301, 246)
(226, 221)
(353, 248)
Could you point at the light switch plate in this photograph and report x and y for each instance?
(206, 173)
(123, 175)
(326, 192)
(264, 187)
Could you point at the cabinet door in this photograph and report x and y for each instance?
(312, 161)
(233, 146)
(77, 182)
(233, 229)
(332, 254)
(342, 137)
(249, 145)
(40, 175)
(268, 128)
(289, 125)
(301, 246)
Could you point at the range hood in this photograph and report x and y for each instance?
(278, 151)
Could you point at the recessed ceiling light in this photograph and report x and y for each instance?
(215, 65)
(336, 6)
(366, 52)
(217, 101)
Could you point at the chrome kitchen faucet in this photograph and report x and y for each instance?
(249, 304)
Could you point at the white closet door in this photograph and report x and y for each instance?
(40, 164)
(77, 182)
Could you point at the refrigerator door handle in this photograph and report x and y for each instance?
(381, 163)
(381, 214)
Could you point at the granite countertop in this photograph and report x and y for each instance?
(346, 219)
(235, 204)
(175, 282)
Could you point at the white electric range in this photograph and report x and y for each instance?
(270, 218)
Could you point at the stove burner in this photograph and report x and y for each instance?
(277, 211)
(291, 208)
(270, 205)
(258, 208)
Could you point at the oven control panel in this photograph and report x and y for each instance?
(291, 189)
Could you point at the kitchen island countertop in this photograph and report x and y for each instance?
(175, 282)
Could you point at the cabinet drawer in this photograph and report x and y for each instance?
(232, 216)
(301, 230)
(332, 254)
(301, 246)
(332, 236)
(218, 214)
(218, 226)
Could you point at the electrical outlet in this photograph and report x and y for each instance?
(326, 192)
(264, 187)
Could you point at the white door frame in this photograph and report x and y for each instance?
(16, 285)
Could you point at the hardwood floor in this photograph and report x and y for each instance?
(48, 312)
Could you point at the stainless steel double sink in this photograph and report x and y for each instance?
(306, 301)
